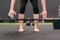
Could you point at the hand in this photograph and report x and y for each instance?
(44, 14)
(11, 14)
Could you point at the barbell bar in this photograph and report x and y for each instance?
(51, 19)
(56, 21)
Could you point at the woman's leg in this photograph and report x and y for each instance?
(36, 14)
(21, 14)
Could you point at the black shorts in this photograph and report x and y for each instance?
(23, 6)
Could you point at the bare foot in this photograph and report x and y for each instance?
(36, 30)
(21, 30)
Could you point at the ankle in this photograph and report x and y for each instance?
(35, 28)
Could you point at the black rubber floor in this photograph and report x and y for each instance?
(46, 33)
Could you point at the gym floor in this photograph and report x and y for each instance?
(10, 32)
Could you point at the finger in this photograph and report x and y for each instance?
(15, 13)
(44, 16)
(11, 15)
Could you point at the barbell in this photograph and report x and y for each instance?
(48, 19)
(56, 21)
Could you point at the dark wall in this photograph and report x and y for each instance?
(52, 8)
